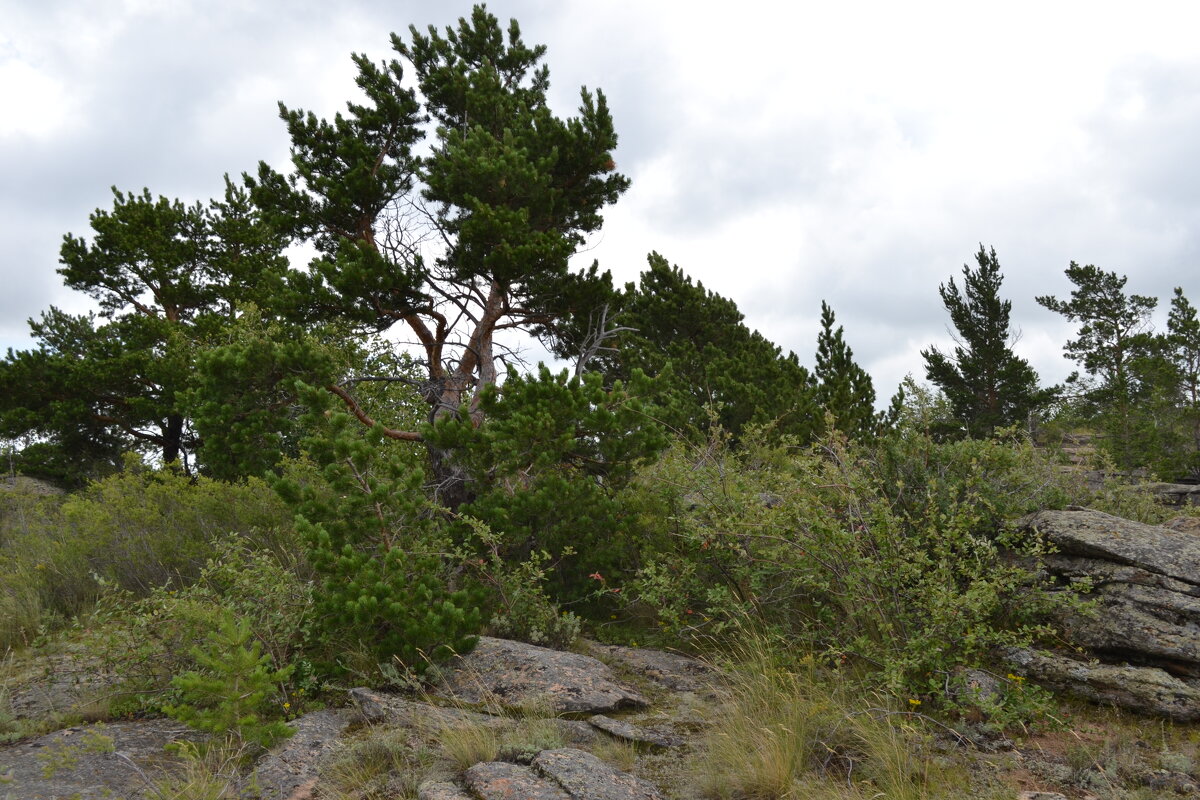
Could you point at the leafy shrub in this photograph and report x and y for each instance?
(893, 558)
(135, 531)
(148, 641)
(520, 608)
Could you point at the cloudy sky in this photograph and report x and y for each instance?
(782, 153)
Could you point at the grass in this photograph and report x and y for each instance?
(469, 743)
(789, 731)
(388, 763)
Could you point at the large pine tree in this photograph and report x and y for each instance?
(987, 384)
(166, 277)
(456, 246)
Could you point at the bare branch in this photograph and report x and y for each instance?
(356, 410)
(598, 333)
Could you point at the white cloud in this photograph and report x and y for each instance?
(783, 154)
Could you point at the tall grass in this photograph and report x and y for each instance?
(792, 730)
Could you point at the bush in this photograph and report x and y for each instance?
(520, 608)
(149, 641)
(379, 549)
(547, 472)
(894, 559)
(135, 531)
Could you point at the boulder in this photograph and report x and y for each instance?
(562, 774)
(672, 671)
(586, 777)
(517, 676)
(1147, 690)
(500, 780)
(1093, 534)
(441, 790)
(289, 771)
(1144, 623)
(1174, 494)
(91, 762)
(1188, 524)
(632, 733)
(1146, 587)
(382, 708)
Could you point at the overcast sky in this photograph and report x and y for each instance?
(782, 153)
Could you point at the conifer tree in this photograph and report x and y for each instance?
(381, 553)
(844, 389)
(1114, 333)
(462, 243)
(715, 361)
(166, 277)
(987, 384)
(1182, 350)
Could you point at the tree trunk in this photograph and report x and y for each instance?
(172, 438)
(451, 481)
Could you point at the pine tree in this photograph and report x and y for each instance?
(1181, 348)
(844, 388)
(166, 278)
(1114, 334)
(987, 384)
(457, 245)
(549, 468)
(382, 554)
(715, 361)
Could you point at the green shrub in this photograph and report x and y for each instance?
(135, 531)
(894, 558)
(148, 641)
(380, 549)
(520, 608)
(547, 472)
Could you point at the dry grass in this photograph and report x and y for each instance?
(385, 764)
(793, 733)
(470, 743)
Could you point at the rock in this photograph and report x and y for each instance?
(67, 684)
(22, 484)
(384, 708)
(586, 777)
(90, 762)
(515, 675)
(1145, 603)
(1093, 534)
(977, 688)
(670, 670)
(440, 790)
(1184, 525)
(1041, 796)
(381, 708)
(499, 780)
(1147, 690)
(1173, 494)
(289, 771)
(1143, 619)
(632, 733)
